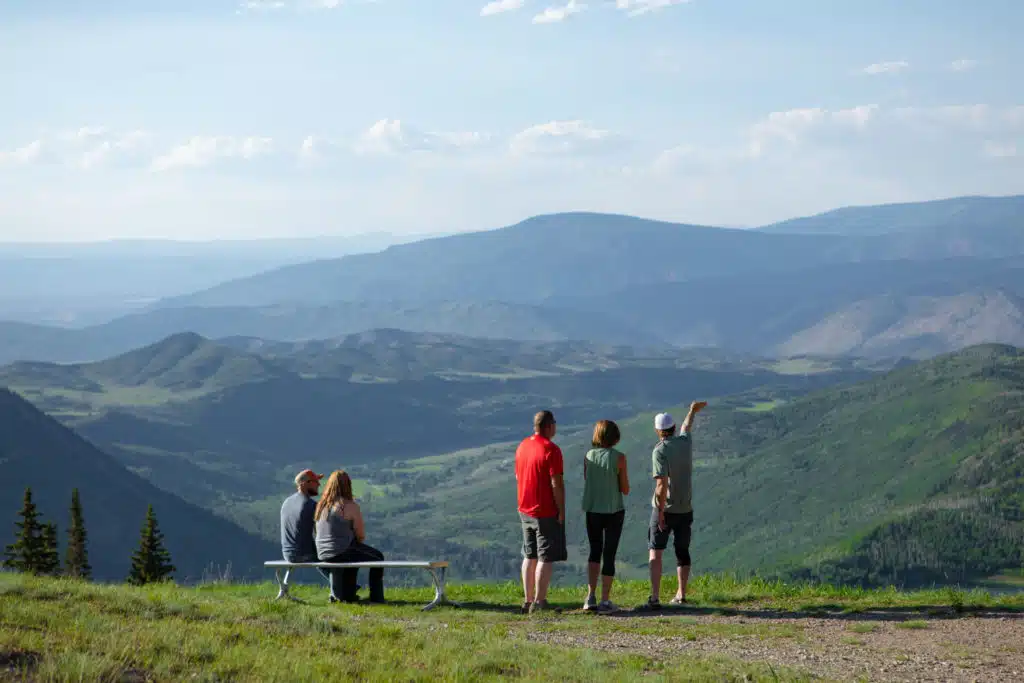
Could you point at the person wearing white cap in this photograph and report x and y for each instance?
(672, 509)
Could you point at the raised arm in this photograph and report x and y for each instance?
(695, 408)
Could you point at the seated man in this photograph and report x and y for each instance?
(297, 519)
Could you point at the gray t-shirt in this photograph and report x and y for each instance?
(673, 458)
(297, 528)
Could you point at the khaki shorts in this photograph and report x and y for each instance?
(543, 539)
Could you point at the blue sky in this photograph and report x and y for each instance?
(218, 118)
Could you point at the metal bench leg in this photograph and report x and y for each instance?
(440, 597)
(282, 585)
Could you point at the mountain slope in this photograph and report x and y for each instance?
(583, 253)
(592, 254)
(890, 308)
(993, 215)
(931, 455)
(494, 320)
(37, 451)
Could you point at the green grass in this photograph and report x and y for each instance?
(913, 624)
(761, 407)
(54, 629)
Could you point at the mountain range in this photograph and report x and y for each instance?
(909, 280)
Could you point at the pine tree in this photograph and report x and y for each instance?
(76, 562)
(27, 553)
(151, 562)
(50, 555)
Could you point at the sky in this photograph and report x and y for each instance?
(203, 119)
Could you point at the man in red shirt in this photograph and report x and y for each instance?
(541, 494)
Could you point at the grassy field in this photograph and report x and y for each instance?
(65, 630)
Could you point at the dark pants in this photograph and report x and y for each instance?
(344, 581)
(677, 524)
(604, 531)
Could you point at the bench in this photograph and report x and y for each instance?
(435, 569)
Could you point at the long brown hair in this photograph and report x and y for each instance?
(339, 488)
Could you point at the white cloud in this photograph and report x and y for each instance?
(791, 126)
(563, 138)
(267, 6)
(553, 15)
(1000, 150)
(500, 6)
(885, 68)
(391, 137)
(963, 64)
(26, 154)
(115, 148)
(203, 151)
(261, 6)
(635, 8)
(85, 148)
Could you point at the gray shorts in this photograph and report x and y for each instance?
(543, 539)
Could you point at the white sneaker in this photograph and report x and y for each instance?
(590, 603)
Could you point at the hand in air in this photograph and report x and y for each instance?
(698, 406)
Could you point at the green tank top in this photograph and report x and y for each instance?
(601, 488)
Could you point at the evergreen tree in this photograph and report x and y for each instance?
(76, 562)
(27, 553)
(151, 562)
(50, 555)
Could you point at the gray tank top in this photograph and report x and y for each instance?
(334, 534)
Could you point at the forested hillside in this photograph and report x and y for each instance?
(915, 477)
(38, 452)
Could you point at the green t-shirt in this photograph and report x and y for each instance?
(601, 488)
(673, 458)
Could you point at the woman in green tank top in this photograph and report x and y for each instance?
(605, 482)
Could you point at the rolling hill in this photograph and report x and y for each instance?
(891, 308)
(877, 309)
(38, 452)
(188, 413)
(989, 220)
(572, 253)
(589, 254)
(915, 477)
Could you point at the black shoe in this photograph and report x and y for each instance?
(331, 599)
(525, 609)
(652, 605)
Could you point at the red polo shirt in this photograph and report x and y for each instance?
(537, 460)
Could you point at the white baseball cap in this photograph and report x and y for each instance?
(663, 421)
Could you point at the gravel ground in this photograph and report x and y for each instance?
(980, 647)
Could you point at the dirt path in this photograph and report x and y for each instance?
(980, 647)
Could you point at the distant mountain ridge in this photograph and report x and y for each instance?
(940, 274)
(956, 213)
(582, 253)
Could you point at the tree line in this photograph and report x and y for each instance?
(35, 549)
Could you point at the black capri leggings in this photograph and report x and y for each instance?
(604, 530)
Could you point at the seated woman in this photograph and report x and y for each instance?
(339, 538)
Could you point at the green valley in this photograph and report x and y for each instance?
(916, 477)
